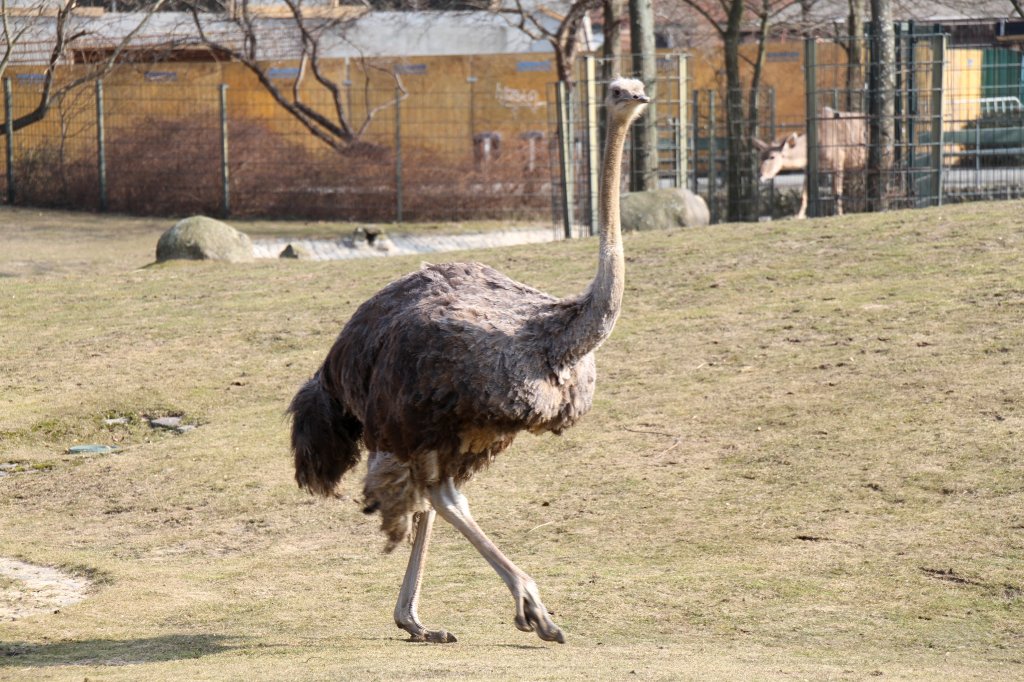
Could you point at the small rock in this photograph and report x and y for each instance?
(116, 420)
(165, 422)
(296, 251)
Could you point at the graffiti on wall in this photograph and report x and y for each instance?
(513, 98)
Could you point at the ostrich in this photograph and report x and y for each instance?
(438, 372)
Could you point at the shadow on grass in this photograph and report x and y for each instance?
(113, 651)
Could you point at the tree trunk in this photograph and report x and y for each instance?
(738, 175)
(611, 51)
(644, 162)
(882, 94)
(857, 53)
(753, 111)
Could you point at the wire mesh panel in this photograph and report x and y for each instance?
(162, 143)
(983, 122)
(737, 194)
(471, 145)
(54, 159)
(707, 146)
(780, 143)
(861, 154)
(578, 114)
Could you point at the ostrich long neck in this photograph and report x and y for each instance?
(587, 320)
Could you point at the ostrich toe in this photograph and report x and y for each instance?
(418, 633)
(531, 616)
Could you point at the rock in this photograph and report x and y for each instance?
(171, 424)
(202, 238)
(296, 251)
(165, 422)
(663, 208)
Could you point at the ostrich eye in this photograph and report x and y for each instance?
(615, 92)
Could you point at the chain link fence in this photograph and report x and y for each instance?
(491, 139)
(577, 119)
(167, 141)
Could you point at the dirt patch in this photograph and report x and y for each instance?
(27, 589)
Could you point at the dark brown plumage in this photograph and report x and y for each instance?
(438, 372)
(407, 369)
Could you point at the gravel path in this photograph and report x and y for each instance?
(400, 245)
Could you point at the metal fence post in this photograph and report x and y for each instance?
(398, 155)
(938, 81)
(772, 133)
(593, 143)
(101, 146)
(712, 157)
(565, 153)
(225, 176)
(811, 172)
(682, 153)
(695, 136)
(9, 131)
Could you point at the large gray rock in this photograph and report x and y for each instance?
(202, 238)
(663, 208)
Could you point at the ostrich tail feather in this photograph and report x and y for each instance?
(325, 438)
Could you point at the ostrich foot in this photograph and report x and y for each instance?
(531, 616)
(418, 633)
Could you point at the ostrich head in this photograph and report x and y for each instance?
(626, 99)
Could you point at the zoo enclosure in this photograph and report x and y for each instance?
(446, 138)
(958, 126)
(493, 138)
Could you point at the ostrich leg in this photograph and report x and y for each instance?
(531, 616)
(409, 596)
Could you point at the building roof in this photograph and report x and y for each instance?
(689, 29)
(356, 33)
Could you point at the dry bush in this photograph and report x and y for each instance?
(46, 177)
(159, 167)
(503, 188)
(275, 175)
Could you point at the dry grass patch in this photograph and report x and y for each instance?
(804, 461)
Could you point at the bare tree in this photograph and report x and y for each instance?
(730, 20)
(611, 50)
(238, 32)
(856, 54)
(67, 31)
(881, 102)
(564, 40)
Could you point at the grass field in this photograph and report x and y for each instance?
(804, 462)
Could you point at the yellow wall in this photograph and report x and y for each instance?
(962, 89)
(441, 110)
